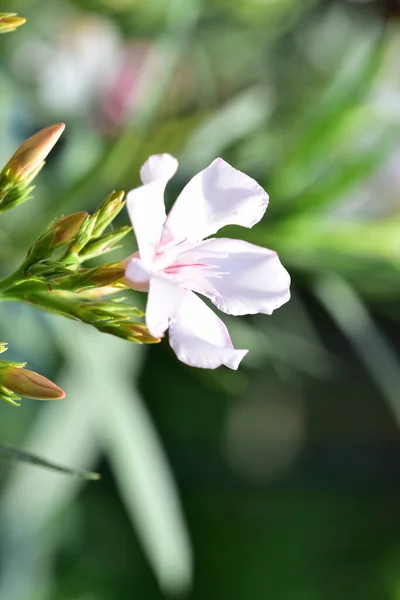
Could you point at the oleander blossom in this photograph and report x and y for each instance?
(175, 262)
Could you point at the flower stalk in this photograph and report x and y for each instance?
(53, 279)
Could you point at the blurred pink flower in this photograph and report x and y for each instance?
(136, 67)
(174, 260)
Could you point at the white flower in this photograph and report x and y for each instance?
(174, 259)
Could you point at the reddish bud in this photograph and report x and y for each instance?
(30, 384)
(107, 274)
(30, 155)
(67, 227)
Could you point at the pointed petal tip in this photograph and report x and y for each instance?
(236, 359)
(230, 358)
(200, 339)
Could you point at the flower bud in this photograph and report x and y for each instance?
(30, 384)
(83, 279)
(100, 292)
(81, 239)
(139, 333)
(10, 22)
(106, 275)
(132, 332)
(104, 243)
(66, 228)
(31, 154)
(107, 212)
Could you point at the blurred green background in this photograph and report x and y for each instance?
(281, 480)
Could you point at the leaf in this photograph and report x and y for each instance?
(239, 117)
(23, 456)
(328, 128)
(372, 347)
(139, 463)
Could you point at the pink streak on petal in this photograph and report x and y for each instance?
(176, 268)
(241, 278)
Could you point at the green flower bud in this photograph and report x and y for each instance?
(107, 212)
(105, 243)
(88, 278)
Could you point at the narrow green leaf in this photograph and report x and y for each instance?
(22, 456)
(373, 348)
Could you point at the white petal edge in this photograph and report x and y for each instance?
(145, 204)
(217, 196)
(199, 338)
(163, 301)
(158, 166)
(244, 279)
(136, 276)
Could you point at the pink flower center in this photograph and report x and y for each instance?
(174, 269)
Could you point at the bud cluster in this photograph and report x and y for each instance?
(112, 316)
(52, 276)
(92, 240)
(56, 257)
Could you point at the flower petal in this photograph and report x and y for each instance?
(199, 338)
(136, 276)
(217, 196)
(158, 167)
(238, 277)
(145, 204)
(163, 300)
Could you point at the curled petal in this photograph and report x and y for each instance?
(238, 277)
(163, 301)
(199, 338)
(217, 196)
(145, 204)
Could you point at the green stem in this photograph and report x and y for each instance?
(50, 302)
(12, 280)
